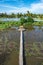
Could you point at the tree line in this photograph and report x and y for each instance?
(18, 15)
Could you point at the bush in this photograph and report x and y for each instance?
(30, 20)
(23, 20)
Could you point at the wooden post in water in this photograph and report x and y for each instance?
(21, 29)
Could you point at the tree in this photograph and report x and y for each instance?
(23, 20)
(30, 20)
(28, 12)
(19, 15)
(13, 15)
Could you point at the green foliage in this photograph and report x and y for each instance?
(9, 24)
(18, 15)
(38, 23)
(30, 20)
(16, 23)
(23, 20)
(26, 22)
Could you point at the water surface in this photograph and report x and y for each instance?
(9, 19)
(17, 19)
(33, 41)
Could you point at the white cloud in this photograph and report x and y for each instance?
(20, 10)
(10, 9)
(34, 8)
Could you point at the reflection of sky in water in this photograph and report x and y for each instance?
(36, 19)
(38, 28)
(16, 19)
(9, 19)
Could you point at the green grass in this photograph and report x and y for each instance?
(9, 24)
(5, 25)
(23, 21)
(38, 23)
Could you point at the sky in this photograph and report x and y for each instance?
(21, 6)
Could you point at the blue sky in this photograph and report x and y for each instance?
(21, 6)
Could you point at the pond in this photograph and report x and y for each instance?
(9, 19)
(33, 41)
(37, 19)
(17, 19)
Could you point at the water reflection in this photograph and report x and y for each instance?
(17, 19)
(33, 41)
(9, 19)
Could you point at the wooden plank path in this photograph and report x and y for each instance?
(21, 57)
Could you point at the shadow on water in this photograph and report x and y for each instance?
(24, 58)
